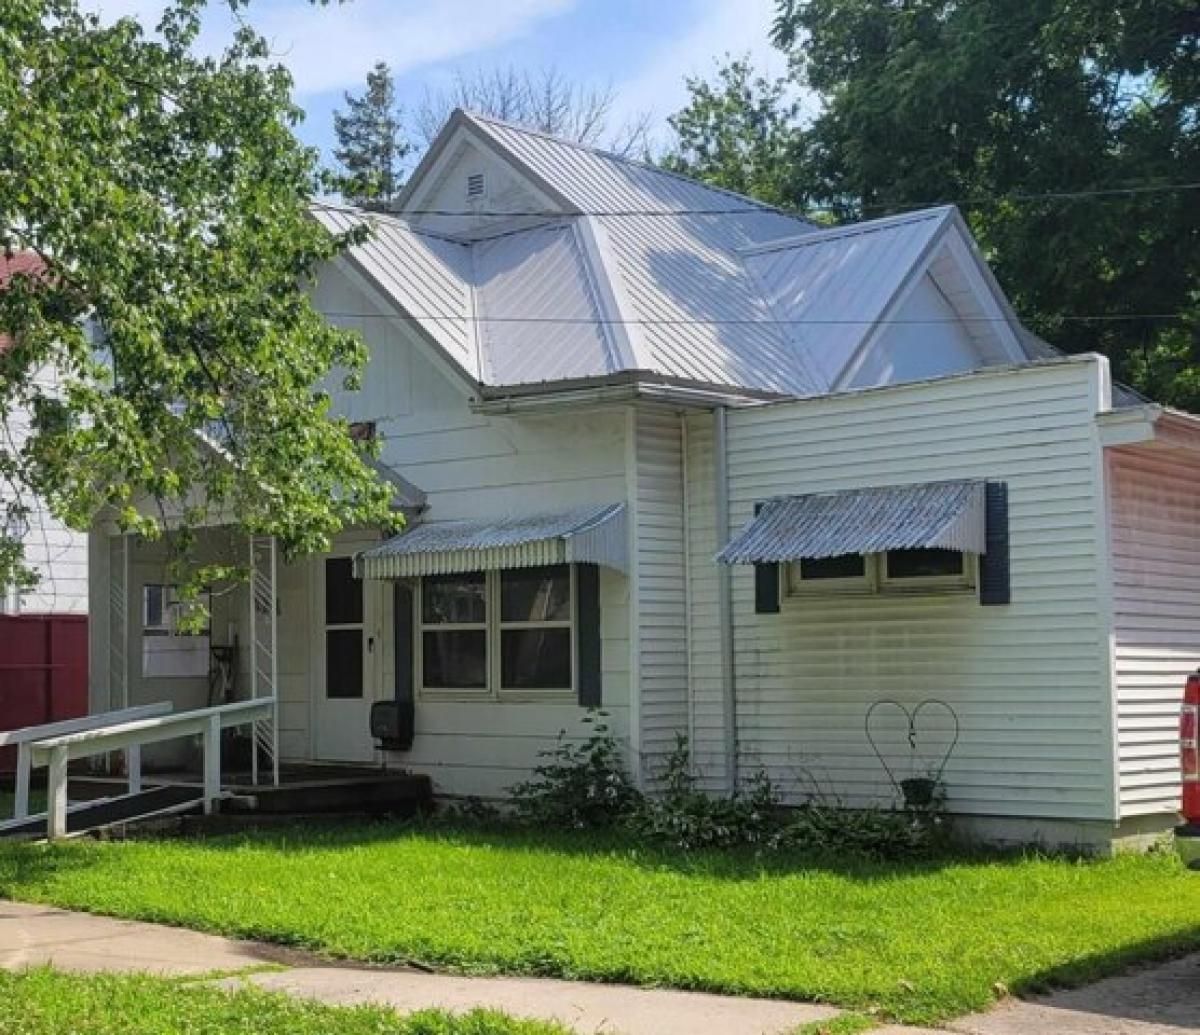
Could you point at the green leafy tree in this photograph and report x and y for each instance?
(168, 200)
(1062, 128)
(371, 142)
(738, 133)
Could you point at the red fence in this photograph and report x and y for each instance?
(43, 672)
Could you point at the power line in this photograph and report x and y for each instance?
(753, 208)
(1063, 195)
(586, 321)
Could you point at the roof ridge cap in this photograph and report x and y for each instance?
(862, 226)
(752, 204)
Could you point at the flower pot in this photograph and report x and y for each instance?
(918, 792)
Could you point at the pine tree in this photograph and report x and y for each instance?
(371, 141)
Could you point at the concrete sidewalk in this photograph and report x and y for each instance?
(32, 935)
(1162, 1000)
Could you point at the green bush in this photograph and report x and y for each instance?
(683, 816)
(585, 786)
(872, 833)
(579, 786)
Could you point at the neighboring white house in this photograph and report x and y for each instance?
(55, 552)
(587, 377)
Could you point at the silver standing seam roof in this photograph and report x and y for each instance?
(947, 515)
(636, 269)
(587, 535)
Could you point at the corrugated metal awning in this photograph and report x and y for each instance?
(947, 515)
(591, 535)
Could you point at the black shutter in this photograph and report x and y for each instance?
(402, 636)
(994, 579)
(766, 584)
(587, 634)
(402, 633)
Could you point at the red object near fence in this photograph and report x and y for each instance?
(43, 672)
(1189, 749)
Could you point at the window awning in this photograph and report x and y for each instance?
(948, 515)
(590, 535)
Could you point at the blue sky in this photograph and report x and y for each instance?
(642, 48)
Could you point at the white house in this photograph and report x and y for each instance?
(58, 554)
(726, 474)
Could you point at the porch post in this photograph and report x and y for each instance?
(56, 794)
(211, 738)
(264, 643)
(274, 662)
(119, 592)
(24, 765)
(118, 621)
(252, 597)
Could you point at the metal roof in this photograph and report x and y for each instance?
(427, 277)
(947, 515)
(405, 495)
(599, 181)
(829, 288)
(589, 535)
(640, 269)
(700, 313)
(524, 283)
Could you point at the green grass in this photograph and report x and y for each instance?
(920, 942)
(45, 1002)
(843, 1024)
(37, 802)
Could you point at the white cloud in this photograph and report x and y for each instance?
(720, 27)
(332, 47)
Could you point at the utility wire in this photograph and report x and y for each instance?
(755, 208)
(586, 321)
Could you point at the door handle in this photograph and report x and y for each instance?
(370, 644)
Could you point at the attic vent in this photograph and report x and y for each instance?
(475, 185)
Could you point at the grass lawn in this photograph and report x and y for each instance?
(37, 802)
(920, 941)
(45, 1002)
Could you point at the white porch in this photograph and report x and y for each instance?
(140, 655)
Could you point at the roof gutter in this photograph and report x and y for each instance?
(550, 397)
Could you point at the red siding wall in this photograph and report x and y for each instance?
(43, 672)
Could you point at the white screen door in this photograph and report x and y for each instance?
(349, 661)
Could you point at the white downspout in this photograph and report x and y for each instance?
(725, 598)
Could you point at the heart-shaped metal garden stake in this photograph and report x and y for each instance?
(916, 790)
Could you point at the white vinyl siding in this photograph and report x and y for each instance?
(1155, 531)
(58, 554)
(661, 583)
(1030, 682)
(704, 631)
(476, 467)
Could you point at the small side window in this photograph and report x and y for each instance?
(850, 573)
(927, 569)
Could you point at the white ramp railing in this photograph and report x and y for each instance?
(24, 738)
(56, 753)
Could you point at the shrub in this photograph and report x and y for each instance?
(685, 817)
(579, 786)
(873, 833)
(586, 786)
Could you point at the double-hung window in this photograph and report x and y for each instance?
(896, 571)
(498, 634)
(454, 633)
